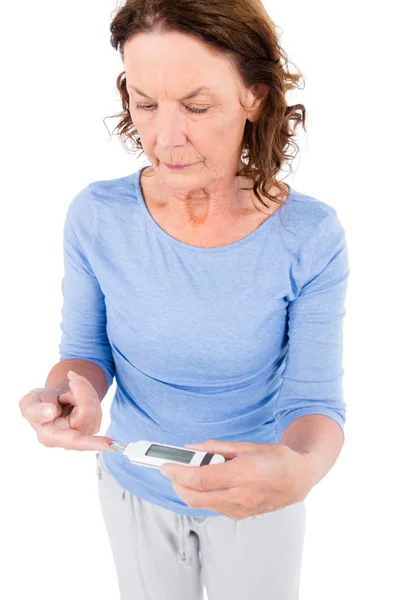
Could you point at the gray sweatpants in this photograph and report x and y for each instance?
(162, 555)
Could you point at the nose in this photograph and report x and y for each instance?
(170, 130)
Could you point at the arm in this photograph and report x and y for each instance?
(311, 409)
(84, 347)
(320, 438)
(57, 378)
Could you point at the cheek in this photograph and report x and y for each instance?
(144, 128)
(228, 128)
(221, 136)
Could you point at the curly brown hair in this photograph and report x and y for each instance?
(243, 32)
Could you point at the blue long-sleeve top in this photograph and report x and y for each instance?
(230, 343)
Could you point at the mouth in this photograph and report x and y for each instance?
(177, 167)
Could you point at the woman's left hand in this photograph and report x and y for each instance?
(257, 478)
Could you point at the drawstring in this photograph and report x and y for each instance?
(183, 532)
(181, 539)
(182, 529)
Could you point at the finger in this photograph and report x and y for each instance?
(87, 421)
(38, 409)
(83, 388)
(26, 403)
(211, 477)
(212, 500)
(87, 411)
(229, 450)
(69, 439)
(223, 504)
(80, 393)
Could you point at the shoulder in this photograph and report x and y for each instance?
(114, 192)
(310, 218)
(314, 237)
(104, 191)
(100, 201)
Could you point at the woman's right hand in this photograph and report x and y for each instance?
(75, 416)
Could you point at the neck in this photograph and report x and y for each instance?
(219, 202)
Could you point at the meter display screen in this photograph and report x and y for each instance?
(174, 454)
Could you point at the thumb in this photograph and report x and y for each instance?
(45, 400)
(51, 411)
(228, 450)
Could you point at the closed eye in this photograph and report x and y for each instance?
(193, 110)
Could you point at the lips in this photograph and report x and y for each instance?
(176, 166)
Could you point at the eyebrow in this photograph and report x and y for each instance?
(191, 95)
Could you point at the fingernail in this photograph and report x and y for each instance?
(47, 412)
(71, 375)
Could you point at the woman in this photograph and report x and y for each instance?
(215, 295)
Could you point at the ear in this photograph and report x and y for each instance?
(255, 98)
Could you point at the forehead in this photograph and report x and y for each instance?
(192, 94)
(156, 56)
(172, 43)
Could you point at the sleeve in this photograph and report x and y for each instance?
(312, 376)
(83, 324)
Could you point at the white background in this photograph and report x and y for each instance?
(58, 75)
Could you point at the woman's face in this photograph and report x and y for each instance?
(205, 130)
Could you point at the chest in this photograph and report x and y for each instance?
(223, 231)
(215, 236)
(209, 319)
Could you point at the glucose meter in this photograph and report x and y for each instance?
(149, 454)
